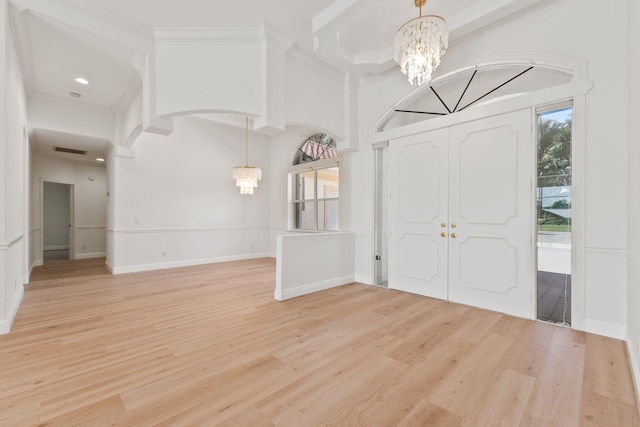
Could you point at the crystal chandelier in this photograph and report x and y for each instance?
(419, 45)
(246, 176)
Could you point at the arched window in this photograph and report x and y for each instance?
(317, 147)
(315, 181)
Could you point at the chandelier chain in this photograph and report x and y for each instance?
(246, 140)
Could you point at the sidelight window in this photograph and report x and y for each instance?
(554, 213)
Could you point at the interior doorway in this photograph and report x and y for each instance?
(554, 213)
(57, 220)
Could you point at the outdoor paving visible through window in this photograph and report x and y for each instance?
(554, 277)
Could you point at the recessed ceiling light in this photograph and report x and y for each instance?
(75, 95)
(100, 159)
(82, 80)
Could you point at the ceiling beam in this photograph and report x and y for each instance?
(95, 19)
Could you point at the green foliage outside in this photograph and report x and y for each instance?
(561, 204)
(554, 153)
(554, 169)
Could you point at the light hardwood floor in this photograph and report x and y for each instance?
(208, 346)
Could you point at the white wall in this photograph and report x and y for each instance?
(633, 296)
(5, 177)
(130, 121)
(207, 69)
(14, 162)
(241, 70)
(111, 205)
(175, 202)
(282, 151)
(315, 95)
(552, 30)
(55, 216)
(90, 203)
(311, 262)
(281, 154)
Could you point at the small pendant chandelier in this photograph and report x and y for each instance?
(246, 176)
(419, 45)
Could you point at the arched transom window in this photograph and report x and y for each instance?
(470, 88)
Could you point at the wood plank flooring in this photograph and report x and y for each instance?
(209, 346)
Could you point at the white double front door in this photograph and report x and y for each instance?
(461, 213)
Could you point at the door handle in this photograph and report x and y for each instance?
(443, 225)
(443, 234)
(453, 235)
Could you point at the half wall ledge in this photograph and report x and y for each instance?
(312, 262)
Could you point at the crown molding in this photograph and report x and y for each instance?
(203, 35)
(274, 37)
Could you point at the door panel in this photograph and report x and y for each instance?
(418, 182)
(491, 258)
(494, 273)
(417, 207)
(486, 161)
(414, 249)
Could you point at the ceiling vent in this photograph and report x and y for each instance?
(69, 150)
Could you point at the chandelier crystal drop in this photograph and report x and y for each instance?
(246, 176)
(419, 45)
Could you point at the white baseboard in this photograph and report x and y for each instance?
(606, 329)
(36, 263)
(183, 263)
(91, 255)
(283, 294)
(363, 278)
(635, 369)
(5, 325)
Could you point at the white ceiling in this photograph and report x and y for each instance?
(44, 141)
(103, 40)
(61, 53)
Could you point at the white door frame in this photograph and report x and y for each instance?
(379, 218)
(72, 224)
(575, 91)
